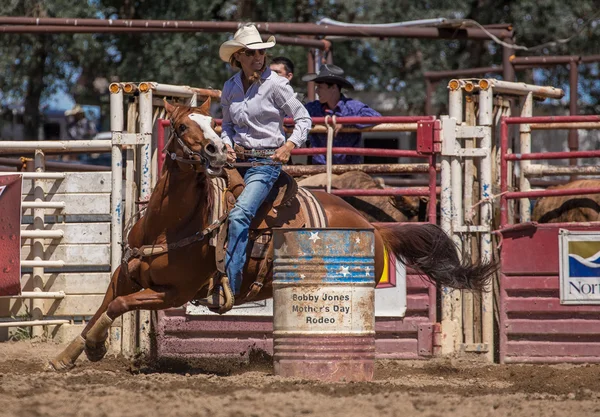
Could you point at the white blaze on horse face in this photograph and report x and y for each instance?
(205, 124)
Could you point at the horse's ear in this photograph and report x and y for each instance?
(204, 108)
(169, 107)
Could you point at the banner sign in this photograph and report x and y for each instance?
(579, 259)
(10, 234)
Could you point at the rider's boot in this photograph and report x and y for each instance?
(220, 299)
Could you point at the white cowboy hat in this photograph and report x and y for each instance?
(245, 37)
(75, 110)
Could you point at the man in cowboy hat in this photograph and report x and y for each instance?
(79, 127)
(329, 83)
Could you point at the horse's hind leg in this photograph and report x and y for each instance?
(121, 284)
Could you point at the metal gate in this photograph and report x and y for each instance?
(535, 324)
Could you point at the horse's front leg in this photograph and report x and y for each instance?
(122, 283)
(147, 299)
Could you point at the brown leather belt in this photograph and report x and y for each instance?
(243, 153)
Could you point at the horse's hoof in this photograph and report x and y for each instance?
(95, 351)
(59, 366)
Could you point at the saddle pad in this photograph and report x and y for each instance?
(218, 209)
(313, 211)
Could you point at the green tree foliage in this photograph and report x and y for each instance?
(33, 66)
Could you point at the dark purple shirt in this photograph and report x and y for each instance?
(346, 107)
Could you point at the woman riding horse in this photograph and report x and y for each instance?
(254, 102)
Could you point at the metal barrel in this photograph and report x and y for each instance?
(324, 304)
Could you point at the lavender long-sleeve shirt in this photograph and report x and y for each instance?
(346, 107)
(253, 120)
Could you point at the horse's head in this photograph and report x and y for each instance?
(194, 141)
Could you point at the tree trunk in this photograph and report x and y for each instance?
(33, 94)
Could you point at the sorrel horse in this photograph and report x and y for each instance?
(569, 208)
(179, 208)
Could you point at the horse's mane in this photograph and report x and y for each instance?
(207, 188)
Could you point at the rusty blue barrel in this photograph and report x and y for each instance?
(324, 304)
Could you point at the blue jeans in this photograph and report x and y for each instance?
(259, 183)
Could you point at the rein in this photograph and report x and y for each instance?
(154, 250)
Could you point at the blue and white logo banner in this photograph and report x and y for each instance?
(579, 267)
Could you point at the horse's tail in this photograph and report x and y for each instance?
(428, 250)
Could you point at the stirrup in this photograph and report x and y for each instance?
(220, 301)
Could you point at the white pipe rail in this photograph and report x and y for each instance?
(42, 263)
(57, 295)
(522, 89)
(51, 145)
(486, 112)
(33, 323)
(43, 175)
(451, 299)
(43, 204)
(146, 125)
(45, 234)
(37, 244)
(116, 199)
(539, 170)
(176, 90)
(525, 140)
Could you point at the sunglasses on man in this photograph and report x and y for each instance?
(250, 52)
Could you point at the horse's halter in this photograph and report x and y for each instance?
(186, 150)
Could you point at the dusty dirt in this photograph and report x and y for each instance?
(219, 388)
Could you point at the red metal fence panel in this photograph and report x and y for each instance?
(534, 326)
(10, 234)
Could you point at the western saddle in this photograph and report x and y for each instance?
(281, 209)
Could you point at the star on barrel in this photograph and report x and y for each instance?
(314, 236)
(357, 240)
(344, 271)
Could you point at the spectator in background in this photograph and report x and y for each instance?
(329, 83)
(283, 66)
(79, 127)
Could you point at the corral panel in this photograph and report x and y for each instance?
(534, 326)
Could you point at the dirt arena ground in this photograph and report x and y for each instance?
(442, 387)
